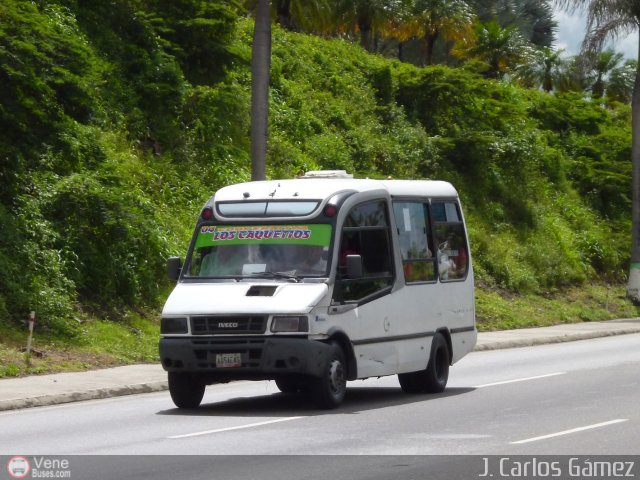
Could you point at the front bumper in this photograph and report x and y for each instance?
(261, 357)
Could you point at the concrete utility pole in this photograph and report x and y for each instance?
(260, 73)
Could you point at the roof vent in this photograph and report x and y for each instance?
(327, 174)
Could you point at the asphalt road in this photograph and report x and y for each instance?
(578, 398)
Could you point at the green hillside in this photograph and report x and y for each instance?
(118, 120)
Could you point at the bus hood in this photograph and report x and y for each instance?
(243, 298)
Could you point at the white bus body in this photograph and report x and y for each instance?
(318, 280)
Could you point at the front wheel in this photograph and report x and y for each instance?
(186, 390)
(432, 379)
(291, 385)
(328, 390)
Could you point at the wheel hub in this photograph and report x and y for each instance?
(337, 380)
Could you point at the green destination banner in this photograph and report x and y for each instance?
(316, 234)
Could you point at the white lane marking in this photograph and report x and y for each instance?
(573, 430)
(239, 427)
(520, 380)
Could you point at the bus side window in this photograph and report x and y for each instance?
(365, 233)
(452, 250)
(416, 242)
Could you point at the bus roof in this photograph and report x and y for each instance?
(321, 188)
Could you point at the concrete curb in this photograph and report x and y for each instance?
(79, 396)
(546, 340)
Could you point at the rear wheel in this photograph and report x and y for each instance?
(432, 379)
(328, 390)
(186, 390)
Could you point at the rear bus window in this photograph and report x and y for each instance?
(452, 250)
(416, 243)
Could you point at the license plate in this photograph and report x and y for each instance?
(228, 360)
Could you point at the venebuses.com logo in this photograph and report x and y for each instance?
(18, 467)
(38, 467)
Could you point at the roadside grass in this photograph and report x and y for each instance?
(97, 344)
(102, 343)
(499, 310)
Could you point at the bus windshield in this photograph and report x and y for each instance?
(263, 251)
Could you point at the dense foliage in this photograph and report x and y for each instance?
(119, 119)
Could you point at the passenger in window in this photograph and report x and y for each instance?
(274, 258)
(461, 262)
(225, 260)
(310, 260)
(446, 264)
(408, 271)
(452, 257)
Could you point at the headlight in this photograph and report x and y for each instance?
(173, 325)
(290, 324)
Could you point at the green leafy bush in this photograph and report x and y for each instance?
(119, 119)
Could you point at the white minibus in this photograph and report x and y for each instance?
(319, 280)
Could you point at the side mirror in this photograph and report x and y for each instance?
(174, 267)
(354, 266)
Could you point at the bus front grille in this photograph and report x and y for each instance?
(228, 324)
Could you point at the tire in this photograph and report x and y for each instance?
(432, 379)
(290, 385)
(186, 390)
(409, 382)
(328, 390)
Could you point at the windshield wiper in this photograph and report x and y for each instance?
(286, 275)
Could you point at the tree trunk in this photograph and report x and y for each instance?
(366, 33)
(597, 91)
(283, 10)
(260, 66)
(633, 286)
(547, 83)
(427, 45)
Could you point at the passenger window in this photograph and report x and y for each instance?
(452, 252)
(416, 243)
(365, 233)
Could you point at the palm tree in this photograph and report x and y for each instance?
(368, 17)
(536, 22)
(607, 19)
(620, 85)
(449, 19)
(534, 18)
(260, 66)
(308, 15)
(545, 71)
(571, 77)
(503, 50)
(603, 65)
(296, 15)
